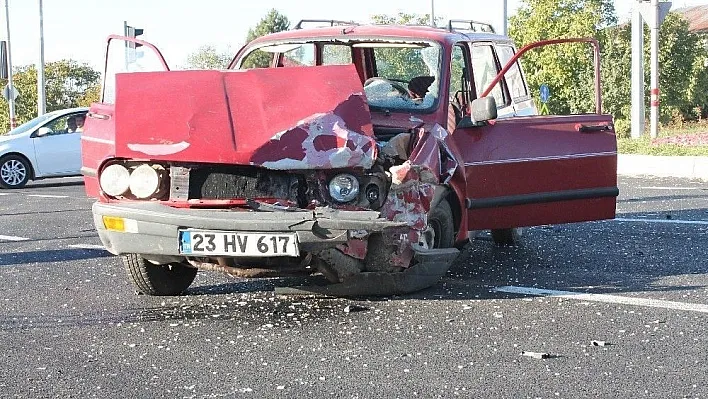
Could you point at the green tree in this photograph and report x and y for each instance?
(566, 68)
(68, 84)
(271, 23)
(207, 57)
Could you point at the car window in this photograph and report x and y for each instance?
(484, 69)
(66, 124)
(333, 54)
(32, 124)
(514, 78)
(406, 78)
(303, 55)
(257, 59)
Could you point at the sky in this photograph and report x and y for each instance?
(78, 29)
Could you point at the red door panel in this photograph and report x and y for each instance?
(539, 170)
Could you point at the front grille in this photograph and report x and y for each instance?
(230, 183)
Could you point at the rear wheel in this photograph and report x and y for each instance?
(151, 279)
(14, 171)
(507, 237)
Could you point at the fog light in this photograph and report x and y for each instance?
(114, 223)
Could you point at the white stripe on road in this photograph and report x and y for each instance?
(13, 238)
(653, 303)
(665, 221)
(672, 188)
(87, 246)
(47, 196)
(1, 194)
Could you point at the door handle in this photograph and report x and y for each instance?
(594, 128)
(95, 115)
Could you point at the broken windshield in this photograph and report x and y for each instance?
(402, 76)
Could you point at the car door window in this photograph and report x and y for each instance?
(460, 84)
(65, 124)
(336, 54)
(485, 69)
(514, 78)
(303, 55)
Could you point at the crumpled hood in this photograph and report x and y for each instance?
(278, 118)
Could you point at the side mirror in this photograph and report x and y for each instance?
(43, 131)
(483, 110)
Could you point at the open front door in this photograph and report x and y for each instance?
(123, 55)
(536, 170)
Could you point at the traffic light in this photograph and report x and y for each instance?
(131, 31)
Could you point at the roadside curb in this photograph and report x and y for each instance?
(690, 167)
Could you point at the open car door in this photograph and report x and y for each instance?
(527, 171)
(123, 55)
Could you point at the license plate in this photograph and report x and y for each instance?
(195, 242)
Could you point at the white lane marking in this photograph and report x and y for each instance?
(672, 188)
(47, 196)
(664, 221)
(87, 246)
(13, 238)
(1, 194)
(622, 300)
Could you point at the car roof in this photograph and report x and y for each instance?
(404, 32)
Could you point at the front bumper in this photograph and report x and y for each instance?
(152, 228)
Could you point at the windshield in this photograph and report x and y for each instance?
(36, 122)
(404, 76)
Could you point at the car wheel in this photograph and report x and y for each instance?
(14, 171)
(152, 279)
(441, 228)
(507, 237)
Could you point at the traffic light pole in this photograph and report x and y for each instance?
(41, 93)
(10, 99)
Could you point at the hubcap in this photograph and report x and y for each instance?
(13, 172)
(427, 237)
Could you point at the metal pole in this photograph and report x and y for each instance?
(41, 94)
(506, 18)
(432, 12)
(638, 109)
(655, 69)
(10, 100)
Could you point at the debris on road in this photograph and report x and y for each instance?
(536, 355)
(599, 343)
(354, 308)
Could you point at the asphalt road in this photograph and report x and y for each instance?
(71, 325)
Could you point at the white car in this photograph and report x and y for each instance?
(47, 146)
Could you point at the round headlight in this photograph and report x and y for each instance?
(344, 188)
(115, 180)
(144, 181)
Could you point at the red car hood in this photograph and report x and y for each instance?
(278, 118)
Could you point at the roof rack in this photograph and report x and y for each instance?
(474, 26)
(329, 22)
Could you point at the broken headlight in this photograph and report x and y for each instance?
(115, 180)
(344, 188)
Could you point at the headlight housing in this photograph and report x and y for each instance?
(344, 188)
(115, 180)
(134, 180)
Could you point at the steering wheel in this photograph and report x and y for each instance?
(397, 86)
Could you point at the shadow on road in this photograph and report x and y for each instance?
(51, 255)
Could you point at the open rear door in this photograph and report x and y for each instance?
(123, 55)
(536, 170)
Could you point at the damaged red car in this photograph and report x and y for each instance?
(367, 154)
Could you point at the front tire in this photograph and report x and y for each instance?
(441, 227)
(151, 279)
(14, 171)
